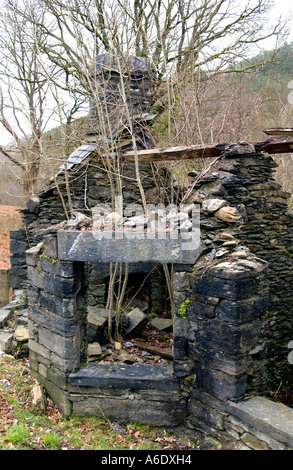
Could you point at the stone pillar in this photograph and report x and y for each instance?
(219, 337)
(228, 303)
(57, 319)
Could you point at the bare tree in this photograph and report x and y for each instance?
(27, 101)
(205, 33)
(22, 111)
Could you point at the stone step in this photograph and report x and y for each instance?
(265, 416)
(135, 376)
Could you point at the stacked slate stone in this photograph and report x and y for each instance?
(266, 229)
(18, 247)
(241, 198)
(89, 184)
(242, 285)
(234, 307)
(230, 292)
(121, 88)
(226, 304)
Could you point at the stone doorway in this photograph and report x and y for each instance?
(142, 330)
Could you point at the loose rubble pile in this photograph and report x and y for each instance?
(157, 220)
(135, 325)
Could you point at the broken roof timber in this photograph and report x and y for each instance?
(275, 146)
(278, 131)
(209, 151)
(175, 153)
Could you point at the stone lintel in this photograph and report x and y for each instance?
(106, 247)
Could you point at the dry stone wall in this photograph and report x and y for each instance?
(262, 223)
(233, 309)
(90, 187)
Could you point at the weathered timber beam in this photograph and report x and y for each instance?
(193, 152)
(274, 147)
(279, 131)
(175, 153)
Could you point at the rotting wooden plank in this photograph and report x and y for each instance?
(175, 153)
(275, 146)
(192, 152)
(279, 131)
(164, 352)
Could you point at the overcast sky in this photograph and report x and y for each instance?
(284, 8)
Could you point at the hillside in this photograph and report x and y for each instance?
(11, 192)
(10, 220)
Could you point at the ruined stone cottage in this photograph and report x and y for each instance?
(232, 290)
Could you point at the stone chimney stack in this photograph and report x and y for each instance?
(121, 97)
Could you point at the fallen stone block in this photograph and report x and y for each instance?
(6, 341)
(126, 358)
(94, 351)
(135, 321)
(38, 397)
(4, 317)
(97, 324)
(162, 324)
(21, 334)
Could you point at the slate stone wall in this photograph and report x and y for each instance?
(18, 246)
(57, 320)
(219, 346)
(245, 180)
(88, 180)
(220, 331)
(89, 186)
(218, 354)
(215, 349)
(233, 307)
